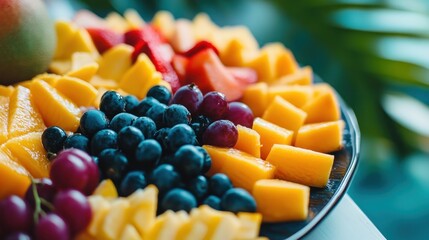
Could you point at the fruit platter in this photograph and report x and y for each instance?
(121, 128)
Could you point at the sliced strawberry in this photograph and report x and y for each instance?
(104, 39)
(244, 75)
(146, 34)
(200, 46)
(180, 63)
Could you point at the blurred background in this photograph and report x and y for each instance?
(375, 53)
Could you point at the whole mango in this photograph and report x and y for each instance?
(27, 40)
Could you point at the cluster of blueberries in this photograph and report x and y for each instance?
(136, 143)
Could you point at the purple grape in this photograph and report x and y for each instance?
(69, 171)
(45, 189)
(52, 226)
(18, 236)
(189, 96)
(214, 105)
(239, 113)
(15, 215)
(221, 133)
(74, 208)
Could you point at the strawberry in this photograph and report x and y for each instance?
(200, 46)
(146, 34)
(244, 75)
(104, 39)
(180, 64)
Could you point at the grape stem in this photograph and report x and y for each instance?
(37, 201)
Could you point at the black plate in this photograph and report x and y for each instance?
(322, 201)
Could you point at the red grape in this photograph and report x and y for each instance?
(239, 113)
(15, 215)
(214, 105)
(18, 236)
(69, 171)
(45, 189)
(221, 133)
(74, 208)
(189, 96)
(51, 226)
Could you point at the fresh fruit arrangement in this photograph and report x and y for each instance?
(172, 129)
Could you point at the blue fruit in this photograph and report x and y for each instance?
(212, 201)
(148, 153)
(189, 161)
(78, 141)
(198, 186)
(146, 125)
(238, 200)
(165, 178)
(132, 181)
(219, 184)
(128, 139)
(53, 139)
(156, 113)
(122, 120)
(175, 114)
(162, 137)
(93, 121)
(113, 164)
(141, 109)
(178, 199)
(207, 163)
(179, 135)
(103, 139)
(160, 93)
(112, 103)
(131, 103)
(200, 124)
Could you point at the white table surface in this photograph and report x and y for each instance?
(346, 221)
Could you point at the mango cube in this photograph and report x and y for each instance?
(284, 114)
(115, 62)
(249, 225)
(297, 95)
(78, 91)
(143, 207)
(321, 137)
(302, 76)
(130, 233)
(100, 207)
(15, 178)
(115, 219)
(255, 96)
(271, 134)
(323, 107)
(248, 141)
(106, 189)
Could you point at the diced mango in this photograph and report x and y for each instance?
(226, 34)
(115, 62)
(271, 134)
(297, 95)
(85, 73)
(6, 91)
(106, 189)
(321, 137)
(78, 91)
(24, 117)
(243, 169)
(133, 19)
(301, 165)
(264, 65)
(204, 28)
(164, 22)
(60, 66)
(284, 114)
(55, 109)
(115, 219)
(227, 228)
(130, 233)
(100, 207)
(302, 76)
(248, 141)
(47, 77)
(236, 54)
(143, 207)
(108, 84)
(323, 107)
(165, 226)
(192, 229)
(286, 63)
(280, 201)
(14, 178)
(4, 116)
(255, 96)
(82, 59)
(29, 152)
(65, 32)
(249, 225)
(116, 22)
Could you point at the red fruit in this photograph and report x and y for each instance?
(200, 46)
(146, 34)
(180, 63)
(104, 39)
(243, 74)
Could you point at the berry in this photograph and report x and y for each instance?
(147, 154)
(199, 125)
(69, 171)
(51, 226)
(214, 105)
(219, 184)
(164, 177)
(175, 114)
(53, 139)
(162, 137)
(112, 103)
(121, 120)
(15, 215)
(128, 139)
(160, 93)
(188, 160)
(132, 181)
(103, 139)
(212, 201)
(113, 164)
(189, 96)
(238, 200)
(93, 121)
(198, 186)
(131, 103)
(178, 199)
(77, 141)
(239, 113)
(45, 189)
(221, 133)
(207, 163)
(141, 109)
(156, 113)
(179, 135)
(146, 125)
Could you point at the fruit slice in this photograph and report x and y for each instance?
(249, 225)
(284, 114)
(115, 219)
(106, 189)
(55, 109)
(164, 22)
(130, 233)
(143, 207)
(24, 117)
(14, 178)
(192, 228)
(297, 95)
(248, 141)
(301, 165)
(4, 116)
(198, 47)
(303, 76)
(100, 207)
(85, 73)
(243, 169)
(78, 91)
(280, 200)
(104, 39)
(321, 137)
(255, 96)
(183, 38)
(133, 19)
(324, 106)
(115, 62)
(271, 134)
(6, 91)
(165, 226)
(29, 152)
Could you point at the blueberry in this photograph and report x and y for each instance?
(207, 163)
(160, 93)
(178, 199)
(162, 137)
(188, 160)
(212, 201)
(113, 164)
(175, 114)
(78, 141)
(103, 139)
(199, 124)
(179, 135)
(156, 113)
(146, 125)
(128, 139)
(198, 186)
(121, 120)
(141, 109)
(93, 121)
(131, 103)
(112, 103)
(53, 139)
(147, 154)
(132, 181)
(164, 177)
(219, 184)
(238, 200)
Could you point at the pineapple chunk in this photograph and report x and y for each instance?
(143, 207)
(130, 233)
(115, 219)
(249, 225)
(100, 207)
(166, 226)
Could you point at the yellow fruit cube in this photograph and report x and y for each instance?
(297, 95)
(108, 84)
(192, 229)
(166, 226)
(143, 208)
(301, 165)
(280, 201)
(15, 178)
(130, 233)
(115, 220)
(286, 63)
(183, 36)
(302, 76)
(116, 22)
(78, 91)
(243, 169)
(82, 59)
(133, 19)
(85, 73)
(284, 114)
(204, 28)
(60, 66)
(236, 54)
(106, 189)
(250, 224)
(323, 107)
(115, 62)
(248, 141)
(271, 134)
(4, 118)
(321, 137)
(255, 96)
(164, 22)
(99, 207)
(47, 77)
(6, 91)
